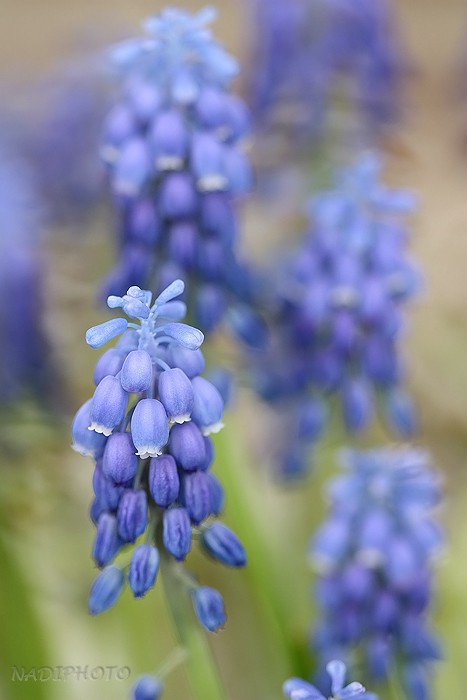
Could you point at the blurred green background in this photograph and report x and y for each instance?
(45, 533)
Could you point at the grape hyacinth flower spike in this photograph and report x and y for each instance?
(176, 166)
(297, 689)
(338, 317)
(148, 429)
(373, 556)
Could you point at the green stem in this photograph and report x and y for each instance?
(268, 577)
(200, 662)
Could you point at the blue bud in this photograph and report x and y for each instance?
(119, 126)
(98, 507)
(132, 515)
(224, 382)
(238, 172)
(211, 108)
(184, 87)
(190, 361)
(186, 336)
(105, 590)
(379, 658)
(217, 494)
(136, 374)
(142, 224)
(120, 462)
(176, 394)
(109, 364)
(248, 327)
(172, 311)
(108, 405)
(149, 428)
(357, 405)
(218, 216)
(171, 291)
(101, 334)
(403, 562)
(128, 341)
(196, 496)
(223, 545)
(164, 483)
(400, 413)
(208, 406)
(145, 99)
(209, 454)
(177, 196)
(106, 491)
(330, 544)
(187, 446)
(209, 608)
(143, 569)
(210, 304)
(176, 533)
(373, 536)
(106, 542)
(132, 168)
(147, 688)
(85, 441)
(310, 418)
(212, 260)
(416, 681)
(168, 139)
(182, 243)
(297, 689)
(207, 162)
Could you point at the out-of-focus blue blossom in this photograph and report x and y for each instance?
(304, 54)
(374, 558)
(176, 166)
(338, 316)
(24, 364)
(151, 448)
(147, 688)
(297, 689)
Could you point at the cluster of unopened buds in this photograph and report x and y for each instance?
(147, 427)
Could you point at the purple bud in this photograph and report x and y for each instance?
(132, 515)
(177, 196)
(105, 590)
(176, 394)
(106, 542)
(144, 98)
(218, 217)
(208, 406)
(182, 243)
(213, 260)
(168, 139)
(330, 543)
(119, 127)
(357, 405)
(108, 405)
(186, 336)
(210, 303)
(190, 361)
(209, 608)
(211, 108)
(297, 688)
(143, 569)
(217, 494)
(142, 224)
(136, 374)
(196, 496)
(403, 562)
(147, 688)
(310, 419)
(207, 162)
(223, 545)
(106, 491)
(109, 364)
(373, 536)
(101, 334)
(237, 170)
(187, 446)
(149, 428)
(132, 168)
(120, 462)
(85, 441)
(164, 483)
(400, 413)
(177, 532)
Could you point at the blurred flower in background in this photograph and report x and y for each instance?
(373, 556)
(337, 317)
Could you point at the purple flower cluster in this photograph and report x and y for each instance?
(303, 54)
(148, 426)
(373, 556)
(23, 362)
(171, 145)
(339, 315)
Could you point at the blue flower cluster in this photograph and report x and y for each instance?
(305, 53)
(373, 557)
(23, 361)
(171, 146)
(297, 689)
(148, 426)
(339, 315)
